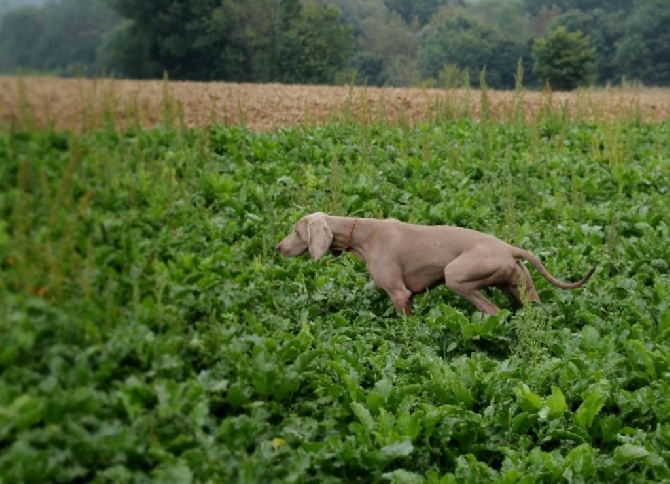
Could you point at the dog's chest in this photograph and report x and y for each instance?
(423, 277)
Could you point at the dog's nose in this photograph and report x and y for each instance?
(277, 247)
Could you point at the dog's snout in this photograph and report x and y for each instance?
(277, 246)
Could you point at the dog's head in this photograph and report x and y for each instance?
(310, 233)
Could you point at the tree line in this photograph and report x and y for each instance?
(566, 43)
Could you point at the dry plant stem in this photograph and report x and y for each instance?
(84, 104)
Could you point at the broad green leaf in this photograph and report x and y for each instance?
(590, 407)
(609, 428)
(448, 478)
(352, 386)
(22, 414)
(386, 430)
(524, 421)
(236, 396)
(176, 473)
(641, 356)
(462, 393)
(378, 396)
(590, 337)
(581, 461)
(396, 450)
(363, 415)
(664, 325)
(528, 400)
(401, 476)
(200, 413)
(409, 424)
(546, 460)
(511, 476)
(575, 434)
(374, 401)
(304, 359)
(434, 416)
(556, 403)
(384, 387)
(628, 452)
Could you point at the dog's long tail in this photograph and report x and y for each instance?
(524, 254)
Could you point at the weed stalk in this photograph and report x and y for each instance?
(519, 115)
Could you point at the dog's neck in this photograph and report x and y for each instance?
(349, 235)
(347, 245)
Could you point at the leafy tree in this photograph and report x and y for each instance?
(167, 35)
(356, 12)
(451, 44)
(394, 42)
(73, 33)
(369, 68)
(259, 40)
(462, 38)
(419, 10)
(250, 31)
(19, 30)
(7, 6)
(387, 52)
(128, 51)
(605, 30)
(313, 46)
(541, 22)
(62, 37)
(508, 16)
(533, 7)
(511, 42)
(563, 59)
(634, 58)
(644, 52)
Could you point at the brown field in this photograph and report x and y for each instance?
(81, 104)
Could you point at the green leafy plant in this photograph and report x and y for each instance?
(149, 331)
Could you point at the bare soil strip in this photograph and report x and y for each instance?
(81, 103)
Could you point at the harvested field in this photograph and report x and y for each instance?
(80, 104)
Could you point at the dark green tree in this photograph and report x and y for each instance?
(467, 40)
(605, 30)
(235, 40)
(369, 68)
(313, 46)
(7, 6)
(644, 52)
(62, 37)
(416, 10)
(250, 30)
(18, 32)
(386, 54)
(356, 12)
(634, 59)
(563, 59)
(533, 7)
(167, 35)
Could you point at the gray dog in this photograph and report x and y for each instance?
(404, 259)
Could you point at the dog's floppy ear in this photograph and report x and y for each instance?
(319, 237)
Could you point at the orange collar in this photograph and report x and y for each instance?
(351, 233)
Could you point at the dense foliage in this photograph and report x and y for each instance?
(149, 331)
(466, 41)
(68, 38)
(7, 6)
(564, 59)
(377, 42)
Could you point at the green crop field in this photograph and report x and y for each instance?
(150, 333)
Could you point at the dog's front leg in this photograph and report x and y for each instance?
(388, 277)
(402, 300)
